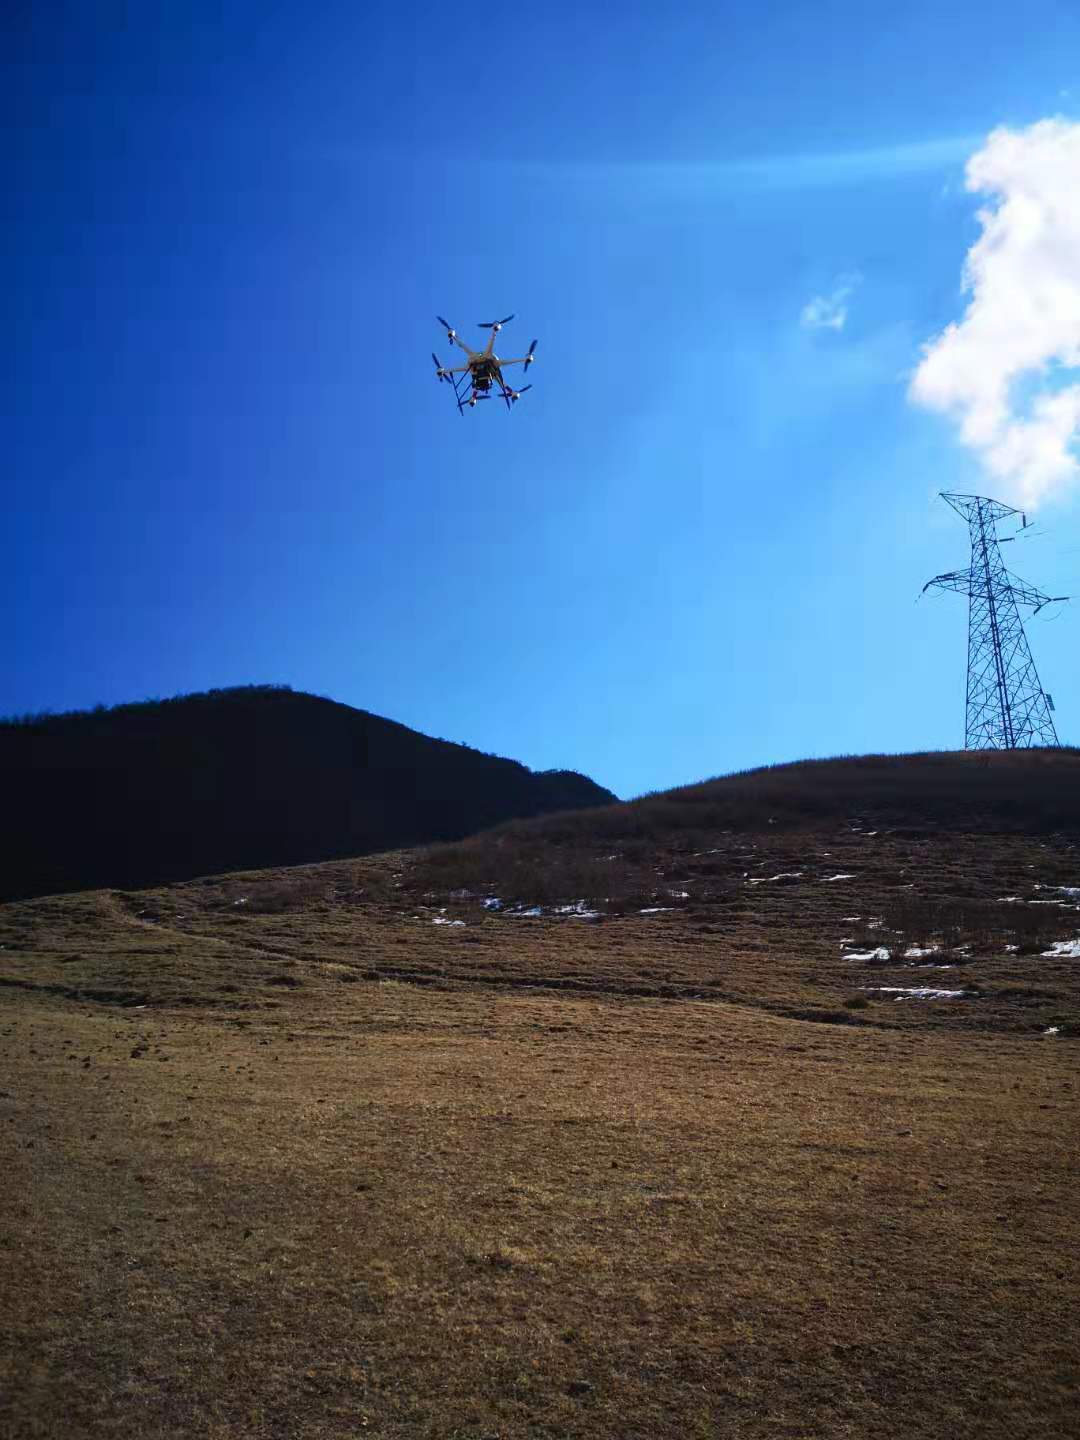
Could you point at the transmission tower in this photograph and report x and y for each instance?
(1007, 708)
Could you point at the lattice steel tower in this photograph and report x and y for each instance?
(1007, 708)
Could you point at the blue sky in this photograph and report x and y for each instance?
(695, 546)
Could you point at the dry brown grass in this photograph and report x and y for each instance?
(350, 1172)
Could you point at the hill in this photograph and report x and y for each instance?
(613, 850)
(240, 778)
(749, 1109)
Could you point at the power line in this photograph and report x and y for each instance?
(1007, 708)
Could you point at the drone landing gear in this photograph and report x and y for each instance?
(467, 394)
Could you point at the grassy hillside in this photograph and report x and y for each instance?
(612, 851)
(782, 1145)
(237, 778)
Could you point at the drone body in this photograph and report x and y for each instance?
(481, 376)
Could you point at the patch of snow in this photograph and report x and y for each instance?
(913, 952)
(828, 879)
(492, 903)
(532, 913)
(850, 919)
(1009, 900)
(442, 920)
(656, 910)
(679, 894)
(881, 953)
(1065, 949)
(917, 992)
(1053, 1030)
(580, 909)
(784, 875)
(242, 901)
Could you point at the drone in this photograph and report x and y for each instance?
(481, 376)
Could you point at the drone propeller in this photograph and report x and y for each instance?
(494, 324)
(517, 394)
(530, 357)
(451, 333)
(438, 367)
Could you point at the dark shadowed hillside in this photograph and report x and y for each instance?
(241, 778)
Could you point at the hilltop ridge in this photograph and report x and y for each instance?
(236, 778)
(614, 850)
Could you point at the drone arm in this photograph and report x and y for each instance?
(519, 361)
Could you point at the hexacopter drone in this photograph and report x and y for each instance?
(483, 369)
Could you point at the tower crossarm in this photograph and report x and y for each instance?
(973, 506)
(1025, 594)
(958, 580)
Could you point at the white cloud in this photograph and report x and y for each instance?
(830, 312)
(1006, 371)
(703, 181)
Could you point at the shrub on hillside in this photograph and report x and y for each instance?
(976, 924)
